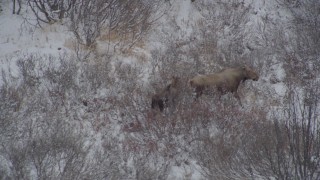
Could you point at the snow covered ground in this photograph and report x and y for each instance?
(20, 38)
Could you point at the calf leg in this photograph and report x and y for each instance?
(153, 103)
(157, 102)
(199, 91)
(161, 105)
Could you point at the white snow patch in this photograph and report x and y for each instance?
(183, 172)
(18, 38)
(280, 88)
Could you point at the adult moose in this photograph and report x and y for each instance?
(227, 80)
(166, 97)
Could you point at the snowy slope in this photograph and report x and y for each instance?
(19, 38)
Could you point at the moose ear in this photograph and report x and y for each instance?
(244, 67)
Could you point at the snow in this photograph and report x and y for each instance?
(186, 17)
(18, 39)
(184, 171)
(18, 36)
(280, 88)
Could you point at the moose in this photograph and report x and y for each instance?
(166, 97)
(227, 80)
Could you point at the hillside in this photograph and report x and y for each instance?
(78, 78)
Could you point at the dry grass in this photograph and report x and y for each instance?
(113, 36)
(74, 45)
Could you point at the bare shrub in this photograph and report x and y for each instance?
(30, 70)
(12, 99)
(49, 11)
(301, 57)
(249, 145)
(302, 130)
(301, 69)
(87, 20)
(290, 149)
(223, 22)
(127, 21)
(221, 154)
(57, 154)
(19, 2)
(44, 136)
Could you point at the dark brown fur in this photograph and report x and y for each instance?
(166, 96)
(227, 80)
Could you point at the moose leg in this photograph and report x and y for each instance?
(236, 95)
(220, 92)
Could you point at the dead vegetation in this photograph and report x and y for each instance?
(72, 118)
